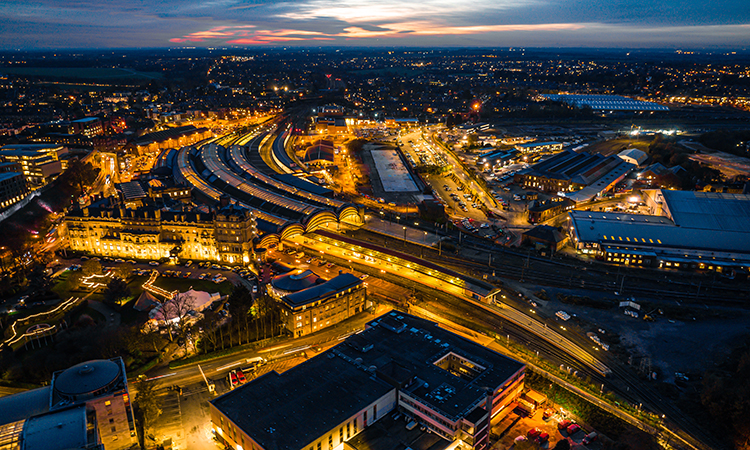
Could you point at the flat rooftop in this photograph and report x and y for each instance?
(406, 350)
(709, 210)
(639, 230)
(391, 434)
(290, 410)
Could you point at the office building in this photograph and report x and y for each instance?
(13, 187)
(540, 147)
(38, 161)
(441, 381)
(309, 303)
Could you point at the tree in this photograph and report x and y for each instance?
(79, 174)
(116, 290)
(146, 405)
(75, 279)
(562, 444)
(175, 312)
(91, 267)
(124, 270)
(240, 304)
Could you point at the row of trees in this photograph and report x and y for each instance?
(251, 320)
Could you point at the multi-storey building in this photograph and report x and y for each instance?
(13, 187)
(38, 161)
(88, 126)
(153, 232)
(451, 386)
(309, 303)
(103, 386)
(86, 406)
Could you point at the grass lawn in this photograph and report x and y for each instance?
(94, 314)
(63, 289)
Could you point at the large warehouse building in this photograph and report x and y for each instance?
(581, 176)
(605, 102)
(449, 385)
(688, 230)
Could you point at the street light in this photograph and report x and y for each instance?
(404, 235)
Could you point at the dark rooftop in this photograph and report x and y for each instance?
(288, 411)
(390, 434)
(337, 284)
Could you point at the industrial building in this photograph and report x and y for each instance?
(605, 102)
(540, 147)
(633, 156)
(580, 176)
(310, 303)
(688, 230)
(451, 386)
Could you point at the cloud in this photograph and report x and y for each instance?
(153, 23)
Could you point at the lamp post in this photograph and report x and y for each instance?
(404, 235)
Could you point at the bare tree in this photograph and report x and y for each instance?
(175, 312)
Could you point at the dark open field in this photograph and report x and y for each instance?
(88, 73)
(615, 146)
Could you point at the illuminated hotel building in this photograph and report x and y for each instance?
(436, 379)
(153, 232)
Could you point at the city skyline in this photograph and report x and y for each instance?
(345, 23)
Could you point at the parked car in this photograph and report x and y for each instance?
(189, 263)
(573, 429)
(547, 413)
(241, 377)
(364, 276)
(563, 424)
(153, 263)
(533, 433)
(589, 438)
(542, 438)
(233, 381)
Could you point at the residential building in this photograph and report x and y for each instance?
(88, 126)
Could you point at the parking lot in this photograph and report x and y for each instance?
(545, 432)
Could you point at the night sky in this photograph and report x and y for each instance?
(40, 24)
